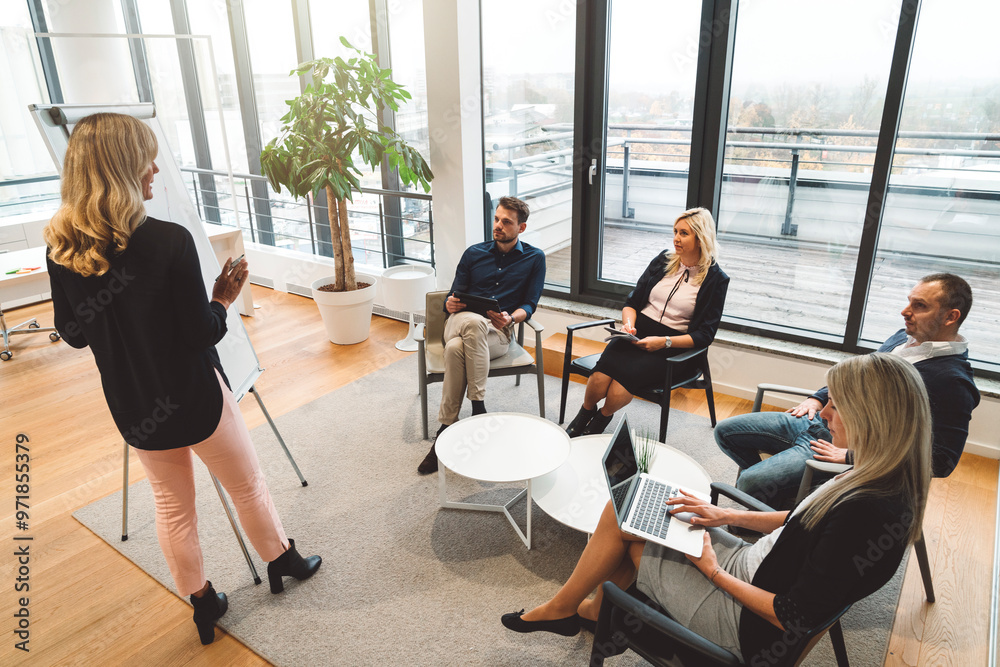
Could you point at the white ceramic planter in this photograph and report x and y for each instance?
(347, 316)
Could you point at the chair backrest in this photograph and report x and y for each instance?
(636, 622)
(435, 317)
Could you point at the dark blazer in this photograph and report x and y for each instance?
(153, 330)
(707, 305)
(953, 396)
(853, 552)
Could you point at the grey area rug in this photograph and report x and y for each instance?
(403, 581)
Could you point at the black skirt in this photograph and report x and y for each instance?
(638, 370)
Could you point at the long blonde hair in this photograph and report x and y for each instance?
(703, 225)
(102, 199)
(886, 417)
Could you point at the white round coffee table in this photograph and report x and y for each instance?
(500, 447)
(576, 492)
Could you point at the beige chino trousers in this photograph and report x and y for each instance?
(470, 341)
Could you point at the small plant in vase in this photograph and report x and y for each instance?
(645, 449)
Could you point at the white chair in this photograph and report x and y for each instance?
(430, 355)
(830, 469)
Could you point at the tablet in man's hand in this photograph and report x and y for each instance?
(478, 304)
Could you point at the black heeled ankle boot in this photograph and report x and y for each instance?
(580, 422)
(290, 564)
(207, 610)
(598, 424)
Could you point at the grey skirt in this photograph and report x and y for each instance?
(673, 581)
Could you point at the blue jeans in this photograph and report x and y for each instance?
(774, 481)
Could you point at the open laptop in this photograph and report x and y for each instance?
(639, 499)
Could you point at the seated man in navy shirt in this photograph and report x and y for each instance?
(505, 269)
(937, 306)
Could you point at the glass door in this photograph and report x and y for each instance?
(635, 115)
(651, 71)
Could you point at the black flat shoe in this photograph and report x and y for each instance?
(580, 422)
(291, 564)
(567, 627)
(430, 462)
(588, 625)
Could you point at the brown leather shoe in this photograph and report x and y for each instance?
(430, 463)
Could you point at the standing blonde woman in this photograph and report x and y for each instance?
(813, 561)
(130, 287)
(676, 305)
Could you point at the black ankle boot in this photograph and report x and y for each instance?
(478, 408)
(207, 610)
(580, 422)
(598, 424)
(290, 564)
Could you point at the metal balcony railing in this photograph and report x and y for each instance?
(382, 234)
(379, 235)
(518, 161)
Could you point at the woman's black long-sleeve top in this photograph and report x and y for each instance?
(853, 551)
(153, 331)
(708, 303)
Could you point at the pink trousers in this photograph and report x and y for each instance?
(229, 455)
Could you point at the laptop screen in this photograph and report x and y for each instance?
(620, 466)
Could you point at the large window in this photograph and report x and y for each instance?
(647, 131)
(528, 85)
(804, 115)
(942, 212)
(406, 44)
(28, 184)
(780, 117)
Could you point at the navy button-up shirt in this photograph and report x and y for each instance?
(515, 280)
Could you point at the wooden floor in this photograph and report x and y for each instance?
(88, 604)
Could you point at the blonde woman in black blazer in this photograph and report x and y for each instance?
(130, 288)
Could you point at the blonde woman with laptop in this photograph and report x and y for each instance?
(812, 561)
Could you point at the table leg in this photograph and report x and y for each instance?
(478, 507)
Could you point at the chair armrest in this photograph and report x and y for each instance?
(684, 356)
(418, 333)
(734, 494)
(826, 466)
(712, 654)
(586, 325)
(777, 389)
(536, 326)
(570, 329)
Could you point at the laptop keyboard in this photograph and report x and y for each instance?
(651, 513)
(620, 492)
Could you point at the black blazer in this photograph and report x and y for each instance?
(153, 330)
(853, 552)
(708, 304)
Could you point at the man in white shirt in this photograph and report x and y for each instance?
(936, 308)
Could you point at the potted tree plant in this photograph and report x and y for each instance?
(330, 124)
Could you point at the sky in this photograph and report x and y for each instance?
(778, 41)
